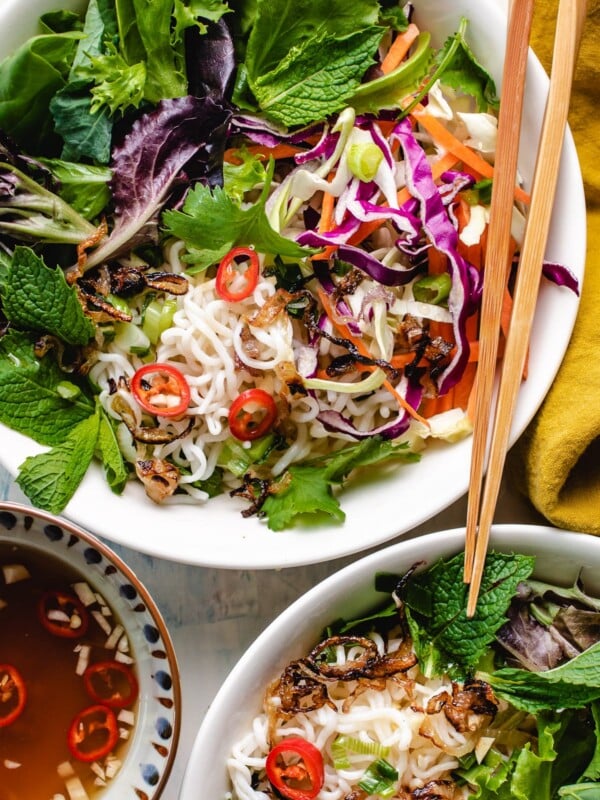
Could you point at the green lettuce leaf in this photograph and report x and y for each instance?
(28, 80)
(83, 186)
(573, 684)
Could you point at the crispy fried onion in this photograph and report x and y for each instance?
(160, 478)
(367, 662)
(74, 360)
(147, 435)
(124, 280)
(413, 336)
(302, 686)
(468, 707)
(435, 790)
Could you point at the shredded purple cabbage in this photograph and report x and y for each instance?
(466, 285)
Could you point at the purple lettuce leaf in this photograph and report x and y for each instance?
(210, 61)
(179, 142)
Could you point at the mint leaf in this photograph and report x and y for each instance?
(34, 297)
(304, 59)
(445, 639)
(50, 479)
(281, 26)
(573, 684)
(211, 221)
(30, 402)
(112, 459)
(307, 489)
(317, 80)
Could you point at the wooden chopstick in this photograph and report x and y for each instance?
(498, 253)
(569, 26)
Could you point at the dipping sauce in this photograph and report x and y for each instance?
(68, 682)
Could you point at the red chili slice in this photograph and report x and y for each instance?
(111, 683)
(63, 615)
(161, 389)
(252, 414)
(13, 695)
(237, 275)
(93, 733)
(295, 769)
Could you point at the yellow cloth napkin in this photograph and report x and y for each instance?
(557, 460)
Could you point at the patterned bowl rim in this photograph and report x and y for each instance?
(22, 510)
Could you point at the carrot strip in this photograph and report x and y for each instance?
(264, 152)
(326, 223)
(399, 48)
(463, 153)
(360, 346)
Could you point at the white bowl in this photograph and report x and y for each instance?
(349, 593)
(153, 740)
(216, 535)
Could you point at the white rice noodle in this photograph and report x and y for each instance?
(422, 747)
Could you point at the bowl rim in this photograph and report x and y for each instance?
(21, 509)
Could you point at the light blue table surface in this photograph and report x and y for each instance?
(213, 615)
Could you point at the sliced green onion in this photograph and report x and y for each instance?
(237, 459)
(132, 338)
(433, 288)
(119, 303)
(158, 316)
(364, 160)
(369, 384)
(68, 390)
(380, 779)
(343, 745)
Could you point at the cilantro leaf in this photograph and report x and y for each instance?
(50, 479)
(242, 177)
(30, 401)
(307, 489)
(445, 639)
(36, 298)
(214, 223)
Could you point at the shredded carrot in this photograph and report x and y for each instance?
(450, 143)
(344, 331)
(326, 222)
(399, 48)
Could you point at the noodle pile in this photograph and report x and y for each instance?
(424, 747)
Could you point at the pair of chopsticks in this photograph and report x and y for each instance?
(492, 448)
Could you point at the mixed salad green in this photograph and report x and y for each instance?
(217, 125)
